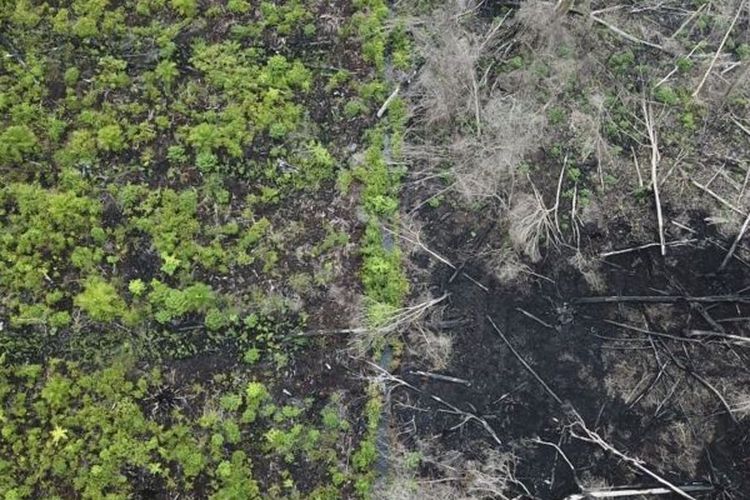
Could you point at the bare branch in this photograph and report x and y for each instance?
(736, 242)
(655, 158)
(721, 46)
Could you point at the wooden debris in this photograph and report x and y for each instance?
(592, 437)
(525, 364)
(721, 47)
(647, 332)
(655, 158)
(625, 35)
(535, 318)
(388, 101)
(661, 299)
(442, 378)
(637, 491)
(647, 245)
(716, 196)
(736, 242)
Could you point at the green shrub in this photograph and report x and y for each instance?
(238, 6)
(251, 356)
(666, 95)
(234, 479)
(186, 8)
(137, 287)
(16, 141)
(112, 73)
(172, 303)
(318, 164)
(79, 150)
(109, 138)
(255, 395)
(743, 51)
(100, 300)
(176, 154)
(167, 72)
(205, 137)
(206, 161)
(621, 62)
(215, 320)
(170, 263)
(85, 27)
(170, 218)
(71, 76)
(42, 226)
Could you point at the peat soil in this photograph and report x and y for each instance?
(657, 398)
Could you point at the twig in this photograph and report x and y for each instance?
(676, 68)
(635, 491)
(625, 35)
(740, 125)
(703, 312)
(593, 437)
(637, 168)
(675, 165)
(525, 364)
(417, 241)
(744, 185)
(387, 102)
(647, 245)
(716, 196)
(660, 299)
(538, 320)
(488, 38)
(717, 394)
(573, 223)
(652, 384)
(705, 383)
(736, 242)
(655, 157)
(669, 395)
(386, 375)
(731, 67)
(475, 89)
(442, 378)
(557, 195)
(647, 332)
(721, 46)
(477, 283)
(716, 174)
(687, 21)
(737, 339)
(399, 318)
(430, 198)
(739, 319)
(561, 453)
(467, 417)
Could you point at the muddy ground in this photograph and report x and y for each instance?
(661, 397)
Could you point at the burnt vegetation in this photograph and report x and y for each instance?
(578, 179)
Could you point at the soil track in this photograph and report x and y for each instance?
(653, 397)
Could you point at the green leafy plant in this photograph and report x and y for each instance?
(137, 287)
(100, 300)
(186, 8)
(110, 138)
(16, 142)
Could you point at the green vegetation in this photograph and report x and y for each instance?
(170, 208)
(114, 432)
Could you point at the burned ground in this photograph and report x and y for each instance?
(638, 389)
(532, 206)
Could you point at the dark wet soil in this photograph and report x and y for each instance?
(581, 357)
